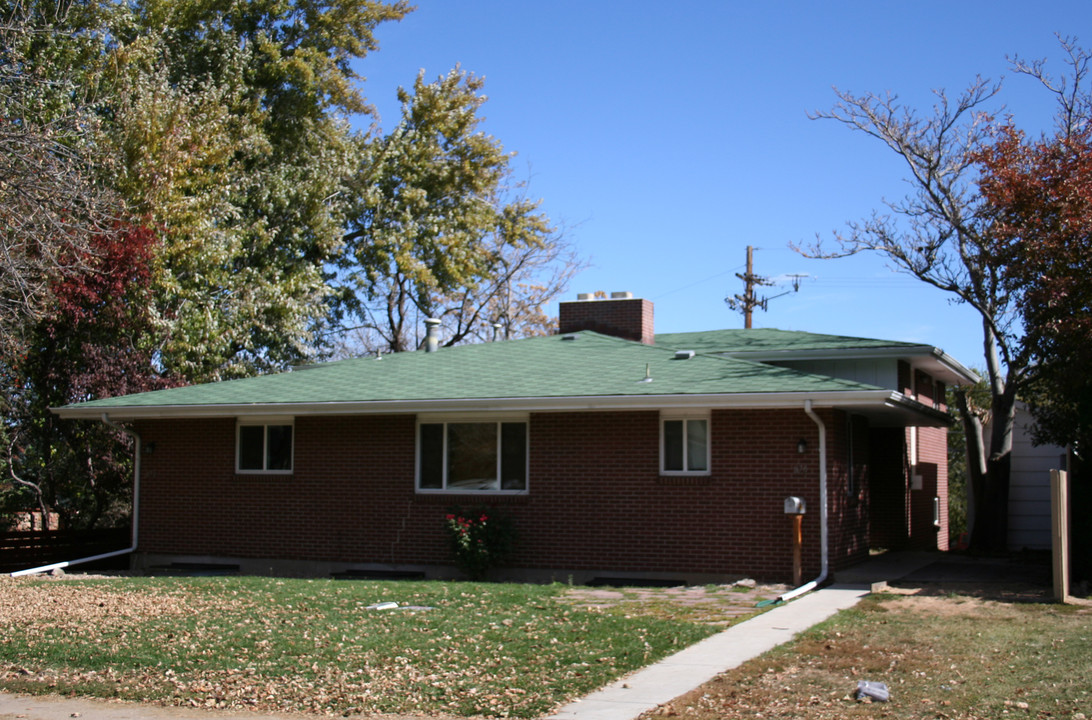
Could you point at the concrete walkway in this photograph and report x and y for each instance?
(690, 668)
(682, 672)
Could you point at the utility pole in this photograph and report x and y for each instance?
(747, 302)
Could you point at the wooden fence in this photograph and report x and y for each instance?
(20, 550)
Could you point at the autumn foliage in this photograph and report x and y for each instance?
(96, 340)
(1040, 198)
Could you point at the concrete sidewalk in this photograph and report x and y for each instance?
(682, 672)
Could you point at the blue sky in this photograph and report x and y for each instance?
(668, 136)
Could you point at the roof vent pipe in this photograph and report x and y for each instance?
(432, 335)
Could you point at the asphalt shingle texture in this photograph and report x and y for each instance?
(587, 364)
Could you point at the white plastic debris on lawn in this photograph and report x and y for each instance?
(874, 691)
(395, 606)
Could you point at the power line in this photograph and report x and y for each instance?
(695, 284)
(748, 301)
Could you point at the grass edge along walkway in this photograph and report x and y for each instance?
(278, 645)
(688, 669)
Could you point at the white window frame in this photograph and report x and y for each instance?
(265, 423)
(496, 419)
(686, 420)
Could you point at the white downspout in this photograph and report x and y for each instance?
(136, 512)
(823, 530)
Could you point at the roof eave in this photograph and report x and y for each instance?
(841, 399)
(968, 376)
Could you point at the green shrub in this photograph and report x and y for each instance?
(481, 538)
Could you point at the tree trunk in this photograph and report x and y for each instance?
(989, 475)
(976, 458)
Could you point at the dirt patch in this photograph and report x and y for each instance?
(718, 605)
(1015, 592)
(936, 605)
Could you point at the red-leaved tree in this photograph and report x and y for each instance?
(1040, 198)
(98, 340)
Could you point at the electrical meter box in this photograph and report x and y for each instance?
(795, 506)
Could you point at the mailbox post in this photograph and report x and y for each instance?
(795, 508)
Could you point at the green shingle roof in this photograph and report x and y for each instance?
(585, 365)
(769, 340)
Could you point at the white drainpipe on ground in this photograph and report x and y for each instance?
(823, 531)
(136, 512)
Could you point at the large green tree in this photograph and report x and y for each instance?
(234, 128)
(438, 228)
(211, 140)
(201, 153)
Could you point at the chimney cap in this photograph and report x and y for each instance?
(432, 334)
(622, 295)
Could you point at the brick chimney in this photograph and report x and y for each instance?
(621, 315)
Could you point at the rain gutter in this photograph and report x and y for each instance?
(863, 398)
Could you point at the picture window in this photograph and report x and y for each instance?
(471, 456)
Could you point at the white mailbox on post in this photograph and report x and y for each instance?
(795, 506)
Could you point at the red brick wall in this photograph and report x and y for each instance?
(345, 501)
(630, 319)
(933, 467)
(596, 500)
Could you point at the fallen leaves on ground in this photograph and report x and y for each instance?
(943, 656)
(273, 646)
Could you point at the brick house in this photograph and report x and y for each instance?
(618, 453)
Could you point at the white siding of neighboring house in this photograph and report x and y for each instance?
(1029, 488)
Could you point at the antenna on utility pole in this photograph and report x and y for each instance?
(747, 302)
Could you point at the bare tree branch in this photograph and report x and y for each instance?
(51, 202)
(1073, 96)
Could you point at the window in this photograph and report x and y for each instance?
(472, 456)
(684, 446)
(264, 447)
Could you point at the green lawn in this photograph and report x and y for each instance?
(314, 646)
